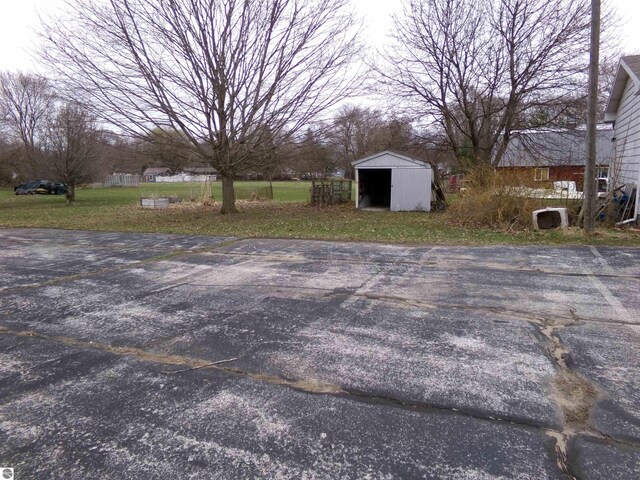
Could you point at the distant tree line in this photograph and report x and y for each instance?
(46, 136)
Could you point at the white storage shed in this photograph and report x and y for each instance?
(393, 181)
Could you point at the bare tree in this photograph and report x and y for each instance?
(218, 71)
(72, 147)
(356, 131)
(351, 134)
(478, 67)
(167, 148)
(313, 158)
(26, 101)
(6, 173)
(123, 154)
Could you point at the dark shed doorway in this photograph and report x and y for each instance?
(374, 187)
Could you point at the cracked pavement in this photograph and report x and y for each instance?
(337, 360)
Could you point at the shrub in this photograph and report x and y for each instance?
(495, 200)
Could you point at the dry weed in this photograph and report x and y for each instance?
(495, 200)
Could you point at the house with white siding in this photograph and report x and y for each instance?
(623, 111)
(152, 174)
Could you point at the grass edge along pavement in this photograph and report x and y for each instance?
(288, 216)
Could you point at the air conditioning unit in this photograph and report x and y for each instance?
(550, 217)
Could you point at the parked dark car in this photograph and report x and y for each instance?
(41, 187)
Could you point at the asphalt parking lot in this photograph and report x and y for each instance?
(165, 356)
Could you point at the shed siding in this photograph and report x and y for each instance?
(410, 189)
(627, 131)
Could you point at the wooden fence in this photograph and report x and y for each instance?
(329, 192)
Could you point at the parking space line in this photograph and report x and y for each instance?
(613, 302)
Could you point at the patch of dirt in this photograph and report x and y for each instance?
(309, 385)
(576, 397)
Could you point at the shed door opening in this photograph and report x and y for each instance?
(374, 187)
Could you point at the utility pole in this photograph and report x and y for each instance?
(589, 201)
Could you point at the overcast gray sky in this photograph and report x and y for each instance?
(19, 19)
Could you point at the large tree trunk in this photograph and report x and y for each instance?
(71, 193)
(228, 195)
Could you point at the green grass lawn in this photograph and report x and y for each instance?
(288, 216)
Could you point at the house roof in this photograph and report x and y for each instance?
(200, 170)
(629, 68)
(394, 155)
(156, 170)
(555, 147)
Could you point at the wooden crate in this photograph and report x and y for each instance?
(330, 192)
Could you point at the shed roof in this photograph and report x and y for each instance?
(629, 68)
(156, 170)
(556, 147)
(391, 157)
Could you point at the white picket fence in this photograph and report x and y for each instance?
(122, 180)
(185, 177)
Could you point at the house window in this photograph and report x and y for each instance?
(602, 171)
(541, 174)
